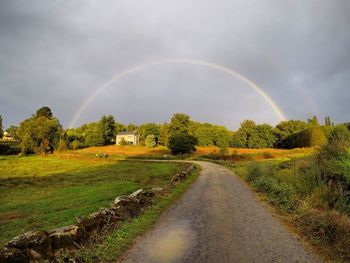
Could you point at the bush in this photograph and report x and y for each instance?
(267, 155)
(151, 141)
(254, 171)
(181, 143)
(327, 227)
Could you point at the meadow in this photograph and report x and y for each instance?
(44, 192)
(209, 152)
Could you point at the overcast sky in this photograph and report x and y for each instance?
(57, 53)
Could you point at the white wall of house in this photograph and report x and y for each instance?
(129, 138)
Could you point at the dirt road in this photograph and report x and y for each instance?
(218, 220)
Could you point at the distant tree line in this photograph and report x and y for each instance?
(43, 133)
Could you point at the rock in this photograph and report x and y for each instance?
(12, 255)
(61, 240)
(96, 221)
(145, 198)
(37, 240)
(179, 177)
(134, 194)
(66, 236)
(34, 256)
(126, 206)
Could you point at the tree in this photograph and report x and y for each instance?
(1, 128)
(313, 121)
(163, 134)
(44, 112)
(63, 143)
(131, 127)
(93, 135)
(239, 139)
(181, 143)
(285, 130)
(179, 139)
(107, 129)
(39, 134)
(151, 141)
(179, 124)
(328, 121)
(149, 129)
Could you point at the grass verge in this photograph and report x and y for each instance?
(317, 211)
(111, 246)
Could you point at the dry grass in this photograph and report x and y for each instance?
(258, 154)
(125, 150)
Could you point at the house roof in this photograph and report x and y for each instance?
(127, 133)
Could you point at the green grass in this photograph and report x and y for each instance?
(111, 247)
(48, 192)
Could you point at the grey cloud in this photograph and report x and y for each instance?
(57, 53)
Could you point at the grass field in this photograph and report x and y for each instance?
(46, 192)
(136, 151)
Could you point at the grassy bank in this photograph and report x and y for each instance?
(47, 192)
(110, 247)
(319, 210)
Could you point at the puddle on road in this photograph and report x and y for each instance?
(172, 245)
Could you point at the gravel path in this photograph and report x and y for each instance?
(219, 220)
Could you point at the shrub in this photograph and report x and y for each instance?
(181, 143)
(151, 141)
(327, 227)
(267, 155)
(254, 171)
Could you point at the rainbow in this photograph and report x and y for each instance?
(218, 67)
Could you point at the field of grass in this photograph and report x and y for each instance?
(161, 152)
(39, 192)
(125, 151)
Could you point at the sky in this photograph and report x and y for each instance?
(58, 53)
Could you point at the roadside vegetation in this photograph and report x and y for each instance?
(44, 192)
(312, 191)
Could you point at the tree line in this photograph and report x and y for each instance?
(43, 133)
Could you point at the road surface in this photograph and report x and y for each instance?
(218, 219)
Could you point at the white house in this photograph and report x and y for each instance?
(129, 137)
(7, 137)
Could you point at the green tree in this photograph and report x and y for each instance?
(62, 143)
(151, 141)
(1, 128)
(107, 129)
(181, 143)
(179, 124)
(163, 134)
(328, 121)
(130, 127)
(39, 134)
(313, 121)
(240, 139)
(93, 135)
(285, 131)
(44, 112)
(149, 129)
(179, 139)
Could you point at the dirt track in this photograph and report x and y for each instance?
(218, 220)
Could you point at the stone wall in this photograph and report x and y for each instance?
(37, 246)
